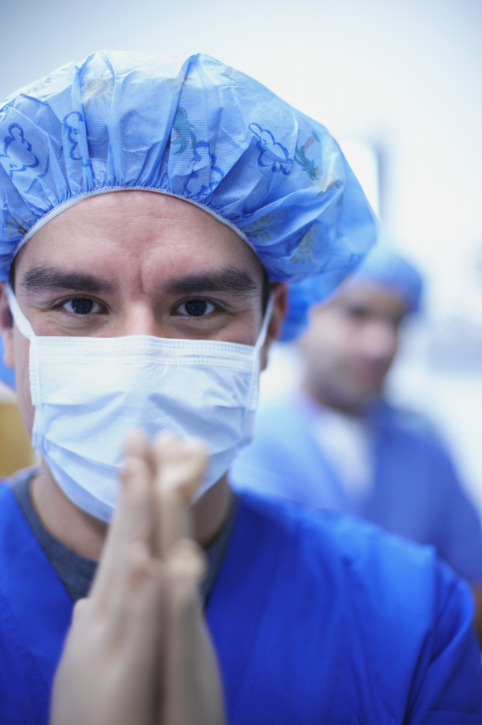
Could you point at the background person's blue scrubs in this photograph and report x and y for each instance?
(315, 618)
(415, 492)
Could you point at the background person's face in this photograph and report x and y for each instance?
(136, 263)
(350, 345)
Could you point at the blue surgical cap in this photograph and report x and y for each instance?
(387, 269)
(194, 128)
(382, 267)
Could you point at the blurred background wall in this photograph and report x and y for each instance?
(403, 78)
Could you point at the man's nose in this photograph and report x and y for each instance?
(380, 341)
(141, 319)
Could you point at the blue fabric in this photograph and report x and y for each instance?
(6, 374)
(195, 128)
(388, 269)
(35, 612)
(382, 266)
(315, 618)
(416, 492)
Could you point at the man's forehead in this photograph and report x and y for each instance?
(136, 207)
(367, 295)
(371, 294)
(117, 232)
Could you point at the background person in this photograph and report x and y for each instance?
(339, 444)
(137, 194)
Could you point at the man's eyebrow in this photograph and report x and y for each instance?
(226, 280)
(52, 279)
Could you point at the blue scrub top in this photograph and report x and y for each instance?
(6, 374)
(316, 618)
(416, 491)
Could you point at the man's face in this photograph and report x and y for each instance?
(135, 263)
(350, 345)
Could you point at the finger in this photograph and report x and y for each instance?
(81, 609)
(133, 519)
(192, 684)
(144, 602)
(137, 445)
(185, 569)
(141, 624)
(110, 668)
(181, 466)
(131, 615)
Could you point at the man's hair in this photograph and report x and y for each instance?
(11, 275)
(265, 293)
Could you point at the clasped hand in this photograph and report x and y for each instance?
(138, 651)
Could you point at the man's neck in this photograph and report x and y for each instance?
(86, 535)
(326, 401)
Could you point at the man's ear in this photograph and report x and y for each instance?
(6, 329)
(279, 297)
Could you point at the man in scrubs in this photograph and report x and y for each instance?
(153, 210)
(338, 444)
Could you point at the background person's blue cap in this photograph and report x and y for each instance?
(194, 128)
(381, 266)
(386, 268)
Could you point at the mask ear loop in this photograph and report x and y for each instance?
(264, 327)
(254, 390)
(26, 329)
(20, 320)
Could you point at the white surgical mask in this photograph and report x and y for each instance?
(89, 392)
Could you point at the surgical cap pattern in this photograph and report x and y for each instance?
(194, 128)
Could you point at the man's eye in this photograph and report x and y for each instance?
(196, 308)
(358, 313)
(81, 306)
